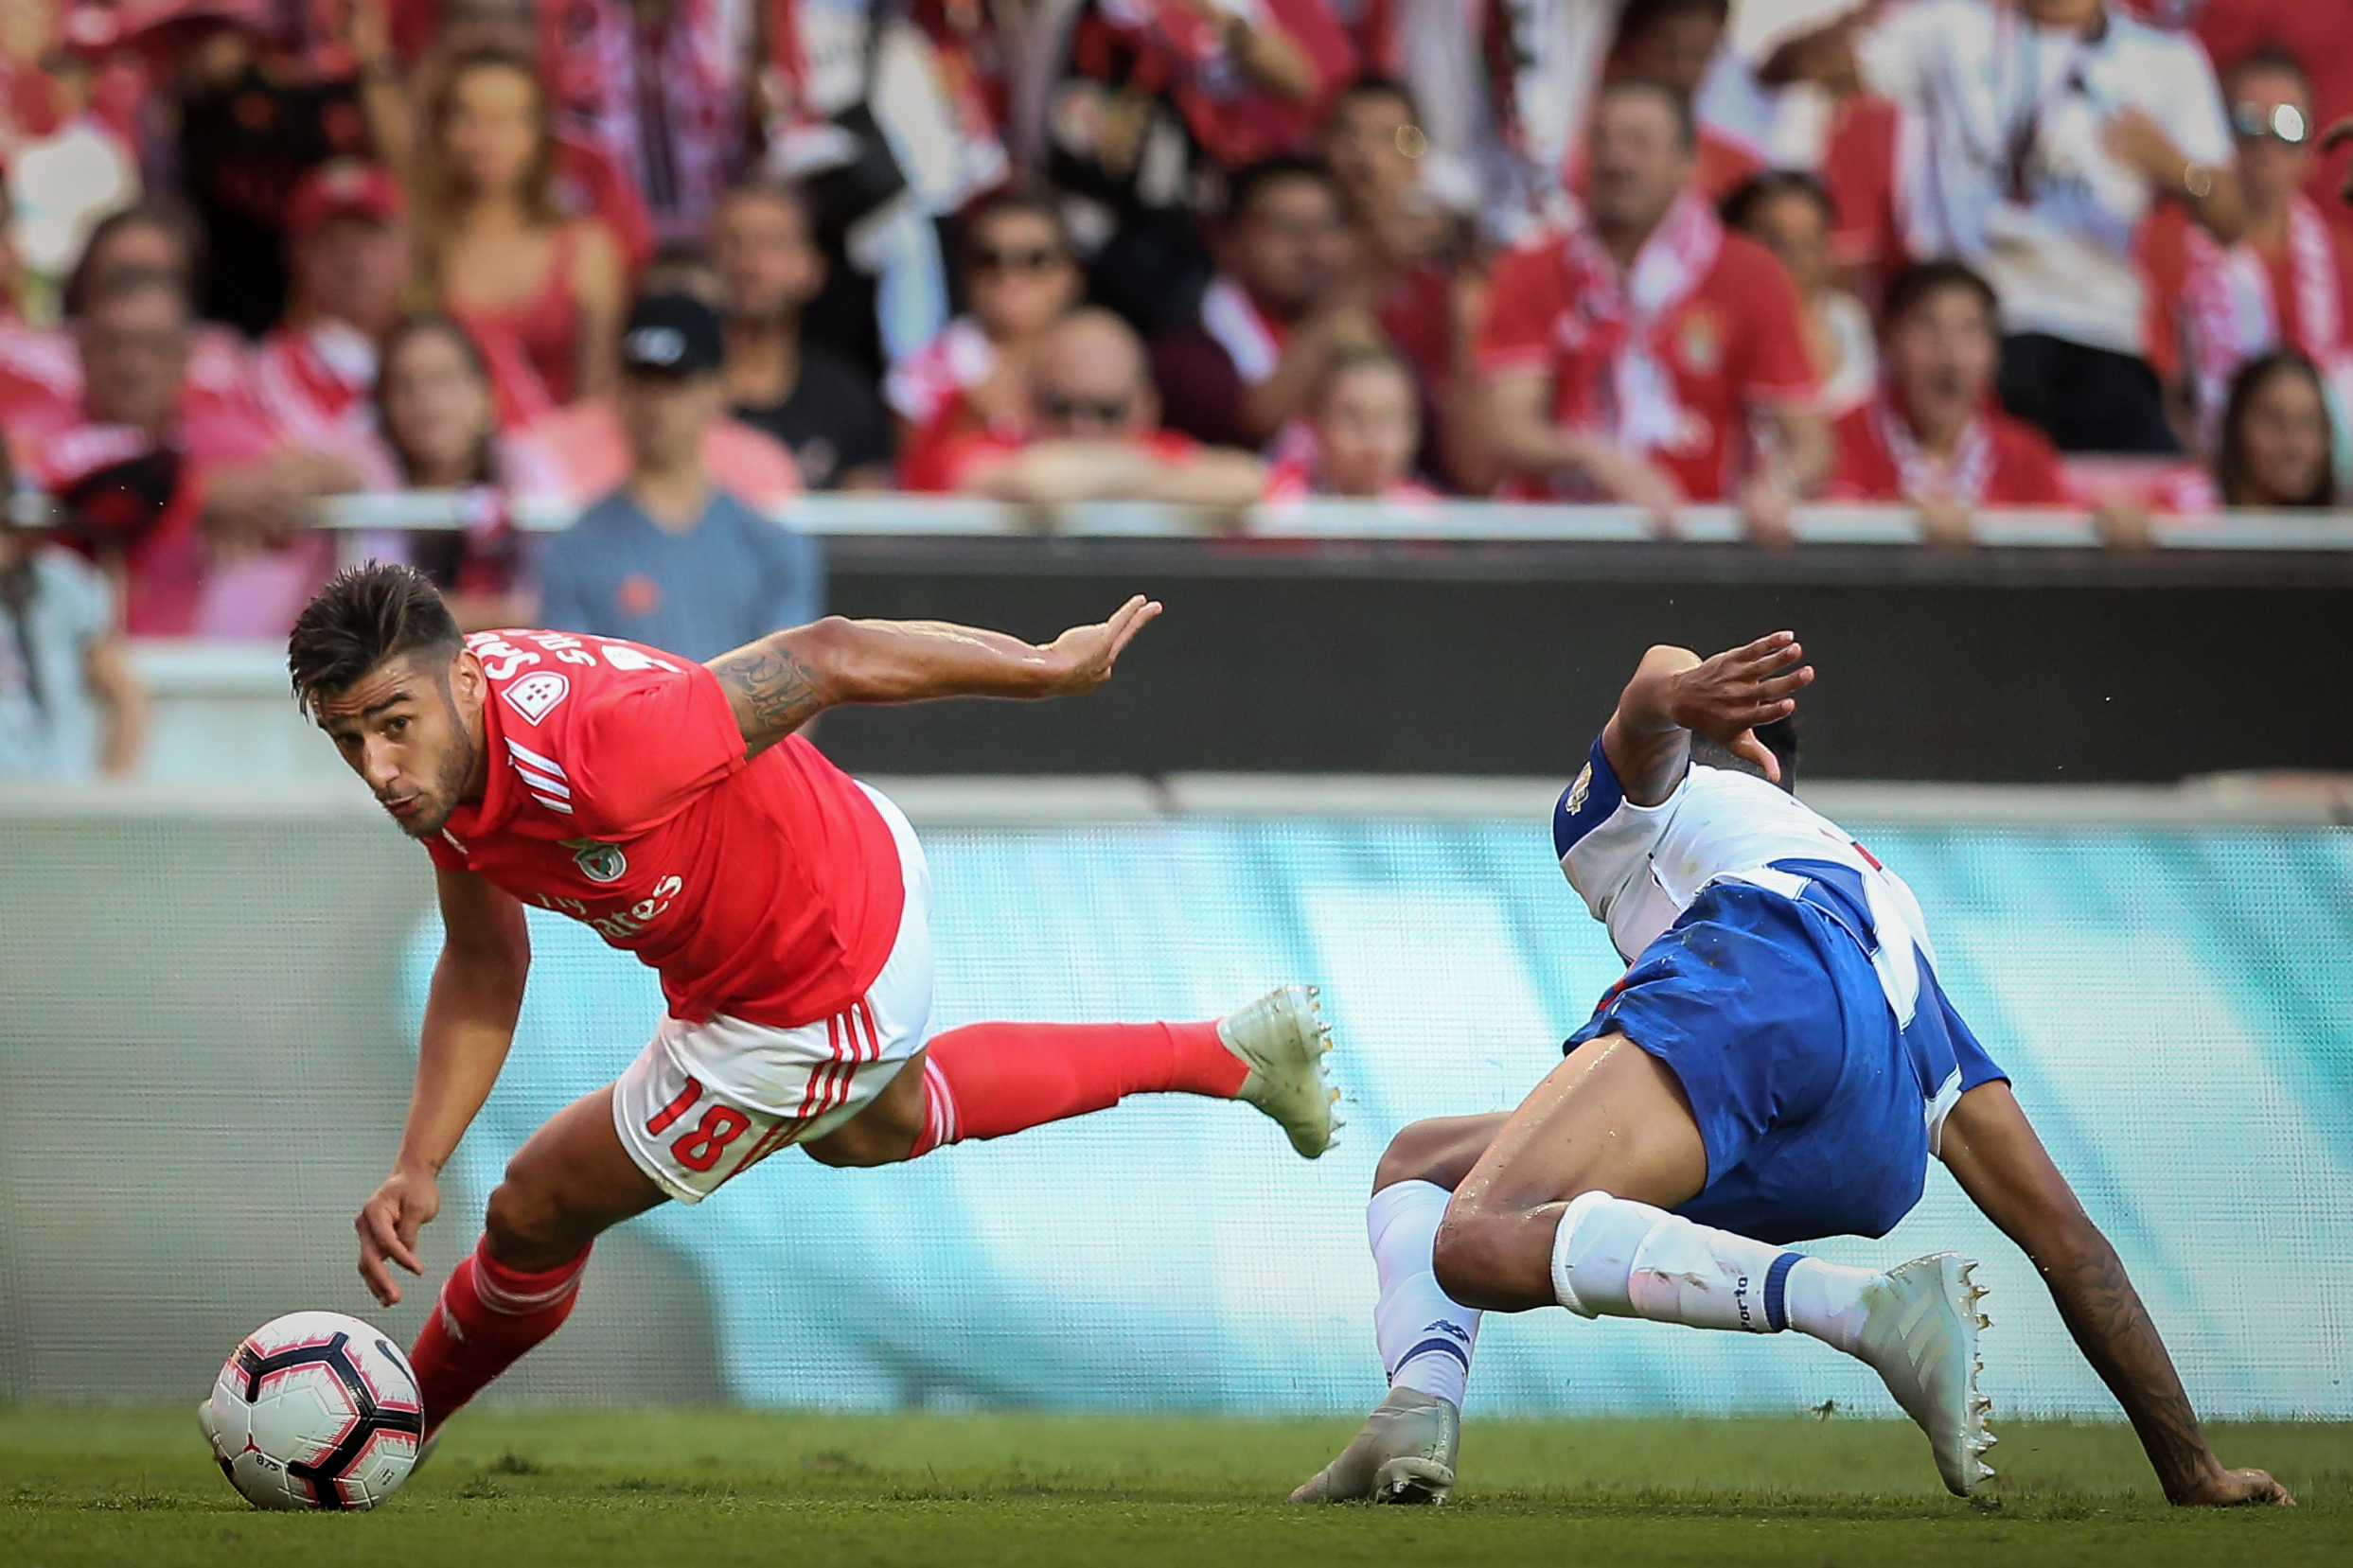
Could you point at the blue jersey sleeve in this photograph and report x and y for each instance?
(1585, 804)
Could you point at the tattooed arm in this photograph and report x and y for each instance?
(785, 679)
(1992, 1152)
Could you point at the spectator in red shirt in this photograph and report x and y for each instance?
(1020, 278)
(2318, 37)
(1626, 359)
(349, 241)
(1093, 434)
(501, 256)
(190, 497)
(161, 235)
(2288, 279)
(1789, 213)
(1934, 435)
(1281, 308)
(1365, 425)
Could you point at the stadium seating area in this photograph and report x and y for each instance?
(290, 281)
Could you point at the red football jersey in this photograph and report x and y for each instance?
(618, 794)
(1733, 344)
(2000, 461)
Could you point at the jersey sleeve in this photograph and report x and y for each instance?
(643, 748)
(1775, 364)
(1515, 331)
(1603, 839)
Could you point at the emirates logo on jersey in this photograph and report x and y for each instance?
(535, 694)
(598, 862)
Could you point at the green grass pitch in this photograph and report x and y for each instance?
(516, 1489)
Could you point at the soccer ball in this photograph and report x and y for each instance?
(315, 1409)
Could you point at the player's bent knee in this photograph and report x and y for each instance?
(1472, 1258)
(527, 1225)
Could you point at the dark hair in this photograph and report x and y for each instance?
(171, 214)
(364, 615)
(1911, 287)
(1381, 87)
(1025, 198)
(433, 324)
(1740, 208)
(1780, 737)
(1245, 184)
(1678, 102)
(2270, 57)
(1641, 15)
(2230, 461)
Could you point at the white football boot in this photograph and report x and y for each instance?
(1282, 1038)
(1920, 1337)
(1404, 1453)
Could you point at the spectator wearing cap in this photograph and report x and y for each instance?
(2289, 280)
(823, 408)
(669, 558)
(2046, 133)
(1092, 434)
(1283, 307)
(1630, 359)
(1932, 436)
(347, 240)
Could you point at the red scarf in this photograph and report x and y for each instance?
(1630, 392)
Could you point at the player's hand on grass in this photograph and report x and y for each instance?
(388, 1225)
(1728, 697)
(2232, 1489)
(1081, 658)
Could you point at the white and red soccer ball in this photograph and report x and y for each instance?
(315, 1409)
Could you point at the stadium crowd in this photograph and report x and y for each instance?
(679, 260)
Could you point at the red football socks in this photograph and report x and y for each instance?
(989, 1079)
(487, 1316)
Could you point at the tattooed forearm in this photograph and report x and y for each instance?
(2114, 1330)
(773, 690)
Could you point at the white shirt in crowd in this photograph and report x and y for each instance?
(2003, 161)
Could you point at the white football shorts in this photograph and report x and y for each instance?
(704, 1102)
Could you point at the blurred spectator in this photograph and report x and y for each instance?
(2318, 37)
(1093, 434)
(582, 451)
(1675, 43)
(252, 120)
(436, 408)
(823, 409)
(1790, 214)
(1019, 278)
(312, 374)
(188, 496)
(2289, 280)
(2047, 133)
(1149, 101)
(1626, 358)
(2277, 449)
(69, 700)
(501, 256)
(161, 235)
(659, 87)
(670, 559)
(40, 373)
(1282, 308)
(1364, 425)
(1932, 435)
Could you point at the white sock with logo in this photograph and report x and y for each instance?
(1615, 1258)
(1426, 1336)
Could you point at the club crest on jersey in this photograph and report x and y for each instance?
(1578, 791)
(598, 862)
(535, 694)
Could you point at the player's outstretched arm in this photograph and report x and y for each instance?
(1992, 1152)
(1676, 692)
(470, 1023)
(780, 682)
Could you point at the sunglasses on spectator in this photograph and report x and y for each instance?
(2282, 122)
(1070, 410)
(1036, 260)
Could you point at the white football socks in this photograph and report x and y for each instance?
(1426, 1336)
(1615, 1258)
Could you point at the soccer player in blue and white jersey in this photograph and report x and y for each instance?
(1778, 1063)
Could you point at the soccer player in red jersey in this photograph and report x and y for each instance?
(671, 806)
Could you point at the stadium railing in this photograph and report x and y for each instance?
(920, 516)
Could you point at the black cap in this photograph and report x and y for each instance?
(671, 335)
